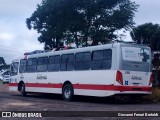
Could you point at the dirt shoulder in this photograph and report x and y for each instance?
(4, 87)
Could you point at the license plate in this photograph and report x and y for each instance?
(135, 84)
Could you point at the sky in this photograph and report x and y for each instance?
(16, 38)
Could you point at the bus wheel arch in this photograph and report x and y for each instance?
(67, 91)
(21, 88)
(20, 85)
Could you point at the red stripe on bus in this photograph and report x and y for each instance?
(13, 84)
(133, 88)
(88, 87)
(49, 85)
(93, 87)
(112, 87)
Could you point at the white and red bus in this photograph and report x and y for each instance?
(104, 70)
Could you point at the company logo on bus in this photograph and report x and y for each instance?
(41, 77)
(136, 78)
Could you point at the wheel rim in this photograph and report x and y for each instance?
(67, 93)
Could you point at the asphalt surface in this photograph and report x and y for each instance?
(93, 106)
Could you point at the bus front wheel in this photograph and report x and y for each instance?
(67, 92)
(23, 92)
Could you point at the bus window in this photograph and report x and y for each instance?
(42, 64)
(136, 59)
(101, 59)
(14, 69)
(32, 65)
(23, 64)
(135, 54)
(67, 62)
(82, 61)
(54, 63)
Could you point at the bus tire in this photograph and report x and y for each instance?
(23, 92)
(67, 92)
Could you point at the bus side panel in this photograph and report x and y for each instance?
(98, 93)
(92, 83)
(13, 83)
(44, 90)
(101, 83)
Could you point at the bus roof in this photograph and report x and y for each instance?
(84, 49)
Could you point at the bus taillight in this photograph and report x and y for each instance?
(119, 77)
(150, 80)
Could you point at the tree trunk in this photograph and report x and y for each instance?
(76, 39)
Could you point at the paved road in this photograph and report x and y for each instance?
(12, 101)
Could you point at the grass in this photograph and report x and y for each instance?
(155, 96)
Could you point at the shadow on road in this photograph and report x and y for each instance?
(88, 99)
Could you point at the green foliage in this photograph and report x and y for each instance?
(2, 61)
(147, 33)
(3, 64)
(56, 20)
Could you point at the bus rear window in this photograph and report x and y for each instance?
(135, 54)
(136, 59)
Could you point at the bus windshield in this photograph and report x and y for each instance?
(136, 59)
(14, 69)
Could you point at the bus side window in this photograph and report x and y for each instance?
(23, 64)
(31, 65)
(82, 61)
(107, 59)
(54, 63)
(42, 64)
(101, 59)
(67, 62)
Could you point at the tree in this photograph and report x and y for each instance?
(2, 61)
(147, 33)
(3, 64)
(55, 20)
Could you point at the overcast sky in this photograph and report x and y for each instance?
(15, 38)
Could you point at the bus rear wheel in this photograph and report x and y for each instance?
(23, 92)
(67, 92)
